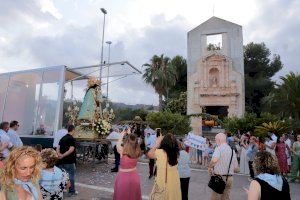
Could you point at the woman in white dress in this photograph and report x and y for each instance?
(244, 167)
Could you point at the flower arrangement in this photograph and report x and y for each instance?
(101, 127)
(72, 112)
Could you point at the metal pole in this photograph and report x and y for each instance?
(101, 62)
(108, 63)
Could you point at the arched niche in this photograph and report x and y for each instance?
(214, 77)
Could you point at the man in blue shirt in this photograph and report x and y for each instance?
(13, 135)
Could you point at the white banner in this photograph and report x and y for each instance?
(195, 141)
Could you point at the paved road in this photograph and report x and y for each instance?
(95, 182)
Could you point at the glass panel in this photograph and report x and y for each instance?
(22, 98)
(49, 102)
(3, 87)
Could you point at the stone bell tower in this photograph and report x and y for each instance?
(216, 69)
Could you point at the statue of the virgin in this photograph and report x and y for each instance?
(91, 106)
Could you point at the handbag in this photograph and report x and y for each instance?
(216, 182)
(158, 193)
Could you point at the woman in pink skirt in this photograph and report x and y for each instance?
(127, 183)
(281, 155)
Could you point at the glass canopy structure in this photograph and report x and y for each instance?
(35, 97)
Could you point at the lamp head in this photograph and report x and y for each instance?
(103, 11)
(108, 42)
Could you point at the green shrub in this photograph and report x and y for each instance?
(169, 122)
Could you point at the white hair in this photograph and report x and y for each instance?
(221, 138)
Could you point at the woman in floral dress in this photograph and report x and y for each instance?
(281, 155)
(53, 181)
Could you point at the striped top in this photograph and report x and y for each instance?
(223, 154)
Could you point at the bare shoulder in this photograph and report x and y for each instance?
(254, 191)
(2, 195)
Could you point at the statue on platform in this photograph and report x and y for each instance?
(91, 107)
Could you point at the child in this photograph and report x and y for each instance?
(210, 152)
(205, 155)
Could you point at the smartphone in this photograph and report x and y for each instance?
(126, 127)
(158, 132)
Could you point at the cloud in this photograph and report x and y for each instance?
(47, 33)
(278, 25)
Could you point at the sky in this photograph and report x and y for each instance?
(40, 33)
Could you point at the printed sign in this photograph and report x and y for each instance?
(195, 141)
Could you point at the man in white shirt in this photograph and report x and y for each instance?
(58, 135)
(4, 139)
(13, 135)
(113, 137)
(270, 145)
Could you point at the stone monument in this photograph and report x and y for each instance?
(216, 69)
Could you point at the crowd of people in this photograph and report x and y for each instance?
(35, 173)
(29, 173)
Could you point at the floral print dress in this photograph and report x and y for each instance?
(53, 183)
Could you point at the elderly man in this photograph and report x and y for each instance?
(219, 165)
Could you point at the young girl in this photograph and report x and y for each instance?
(210, 152)
(206, 152)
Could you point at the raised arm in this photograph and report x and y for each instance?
(151, 153)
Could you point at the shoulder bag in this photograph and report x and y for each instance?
(216, 182)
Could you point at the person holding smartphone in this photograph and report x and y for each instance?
(150, 142)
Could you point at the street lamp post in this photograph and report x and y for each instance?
(101, 62)
(108, 64)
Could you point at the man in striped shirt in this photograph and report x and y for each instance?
(219, 165)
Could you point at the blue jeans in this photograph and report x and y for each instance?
(70, 169)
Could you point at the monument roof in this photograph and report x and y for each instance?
(213, 21)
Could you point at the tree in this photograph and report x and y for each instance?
(160, 75)
(178, 63)
(178, 105)
(284, 100)
(259, 69)
(169, 122)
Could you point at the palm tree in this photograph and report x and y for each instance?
(285, 99)
(160, 74)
